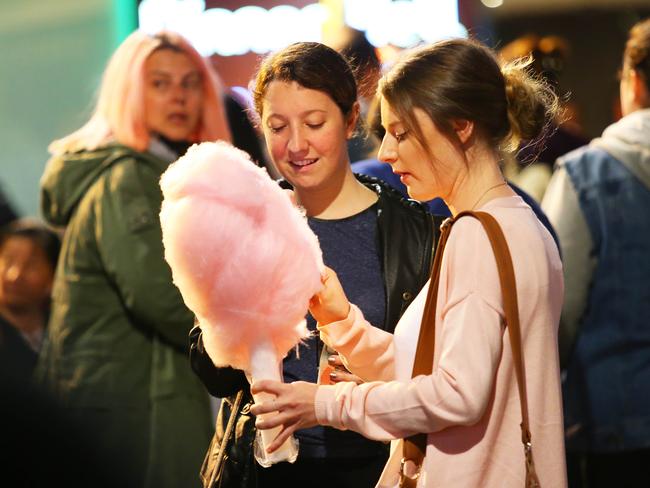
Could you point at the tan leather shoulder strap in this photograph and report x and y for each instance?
(415, 446)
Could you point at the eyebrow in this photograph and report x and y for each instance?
(392, 125)
(302, 114)
(169, 75)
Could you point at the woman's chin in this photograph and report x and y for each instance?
(419, 195)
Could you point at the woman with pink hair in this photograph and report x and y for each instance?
(116, 355)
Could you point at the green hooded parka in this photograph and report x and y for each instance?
(116, 352)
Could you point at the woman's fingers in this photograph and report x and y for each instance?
(267, 395)
(267, 386)
(293, 407)
(330, 304)
(341, 373)
(335, 361)
(280, 439)
(342, 376)
(278, 418)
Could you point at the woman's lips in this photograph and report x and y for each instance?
(403, 177)
(301, 163)
(178, 118)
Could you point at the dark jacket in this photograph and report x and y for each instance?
(407, 234)
(17, 358)
(117, 344)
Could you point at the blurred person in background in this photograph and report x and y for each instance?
(28, 255)
(240, 113)
(29, 422)
(532, 167)
(116, 353)
(363, 59)
(599, 202)
(7, 212)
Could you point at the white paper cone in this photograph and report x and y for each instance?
(266, 366)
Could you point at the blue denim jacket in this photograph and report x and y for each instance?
(607, 385)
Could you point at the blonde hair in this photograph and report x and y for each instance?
(119, 114)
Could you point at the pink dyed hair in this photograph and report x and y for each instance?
(119, 113)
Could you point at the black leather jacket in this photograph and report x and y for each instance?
(407, 234)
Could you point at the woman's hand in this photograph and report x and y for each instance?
(331, 304)
(294, 403)
(340, 373)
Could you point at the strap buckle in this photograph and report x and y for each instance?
(412, 467)
(446, 223)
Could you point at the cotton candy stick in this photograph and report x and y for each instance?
(265, 366)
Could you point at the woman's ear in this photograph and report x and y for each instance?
(351, 124)
(464, 129)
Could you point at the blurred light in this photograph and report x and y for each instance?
(229, 33)
(357, 12)
(492, 3)
(404, 23)
(313, 17)
(284, 19)
(253, 19)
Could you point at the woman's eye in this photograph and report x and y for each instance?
(316, 126)
(192, 83)
(159, 83)
(276, 129)
(401, 136)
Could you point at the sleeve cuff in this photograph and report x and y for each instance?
(326, 407)
(331, 333)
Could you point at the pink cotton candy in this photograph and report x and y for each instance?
(241, 254)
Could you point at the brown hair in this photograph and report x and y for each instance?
(41, 235)
(637, 50)
(312, 65)
(460, 79)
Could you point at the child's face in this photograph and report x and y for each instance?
(26, 274)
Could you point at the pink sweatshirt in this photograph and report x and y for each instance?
(470, 404)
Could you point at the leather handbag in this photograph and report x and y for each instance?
(229, 462)
(414, 449)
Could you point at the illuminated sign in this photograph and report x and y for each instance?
(404, 23)
(225, 32)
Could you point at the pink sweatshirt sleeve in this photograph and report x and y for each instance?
(366, 350)
(469, 349)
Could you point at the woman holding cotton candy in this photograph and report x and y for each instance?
(116, 356)
(449, 110)
(306, 99)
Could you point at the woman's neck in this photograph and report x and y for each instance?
(338, 199)
(480, 183)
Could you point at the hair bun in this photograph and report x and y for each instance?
(532, 103)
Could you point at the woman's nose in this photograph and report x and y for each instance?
(298, 142)
(387, 151)
(12, 272)
(179, 93)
